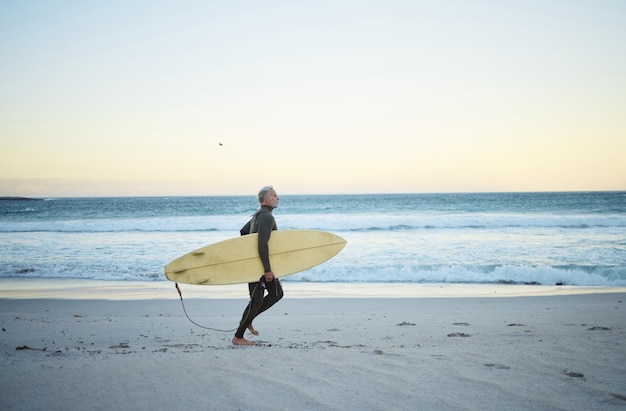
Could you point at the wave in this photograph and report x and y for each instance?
(327, 222)
(568, 275)
(329, 272)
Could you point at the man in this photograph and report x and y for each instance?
(262, 223)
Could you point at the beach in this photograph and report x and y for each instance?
(107, 346)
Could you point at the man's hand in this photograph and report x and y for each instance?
(269, 276)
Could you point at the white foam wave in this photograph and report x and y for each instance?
(331, 273)
(608, 276)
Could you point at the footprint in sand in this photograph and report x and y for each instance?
(498, 366)
(573, 374)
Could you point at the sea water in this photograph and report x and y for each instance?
(576, 238)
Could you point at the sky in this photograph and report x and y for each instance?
(134, 98)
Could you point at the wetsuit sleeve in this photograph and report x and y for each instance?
(266, 224)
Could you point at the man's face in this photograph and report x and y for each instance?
(272, 199)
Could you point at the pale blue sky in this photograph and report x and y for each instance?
(134, 97)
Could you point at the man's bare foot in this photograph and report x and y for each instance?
(241, 341)
(252, 330)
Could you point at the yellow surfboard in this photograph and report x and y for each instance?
(237, 260)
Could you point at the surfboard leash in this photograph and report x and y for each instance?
(192, 321)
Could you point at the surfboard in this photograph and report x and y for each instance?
(237, 260)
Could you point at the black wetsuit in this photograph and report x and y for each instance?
(263, 223)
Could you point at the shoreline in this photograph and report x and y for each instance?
(75, 289)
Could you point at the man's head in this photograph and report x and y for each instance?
(267, 196)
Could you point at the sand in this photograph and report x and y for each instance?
(375, 348)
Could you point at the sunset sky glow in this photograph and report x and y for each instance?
(134, 98)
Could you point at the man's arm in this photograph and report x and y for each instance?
(265, 224)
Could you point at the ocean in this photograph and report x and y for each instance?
(569, 238)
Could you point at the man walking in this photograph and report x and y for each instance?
(263, 223)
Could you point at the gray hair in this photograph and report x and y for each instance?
(264, 192)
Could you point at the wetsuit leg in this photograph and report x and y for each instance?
(258, 303)
(274, 293)
(252, 310)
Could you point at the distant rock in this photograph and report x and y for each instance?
(19, 199)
